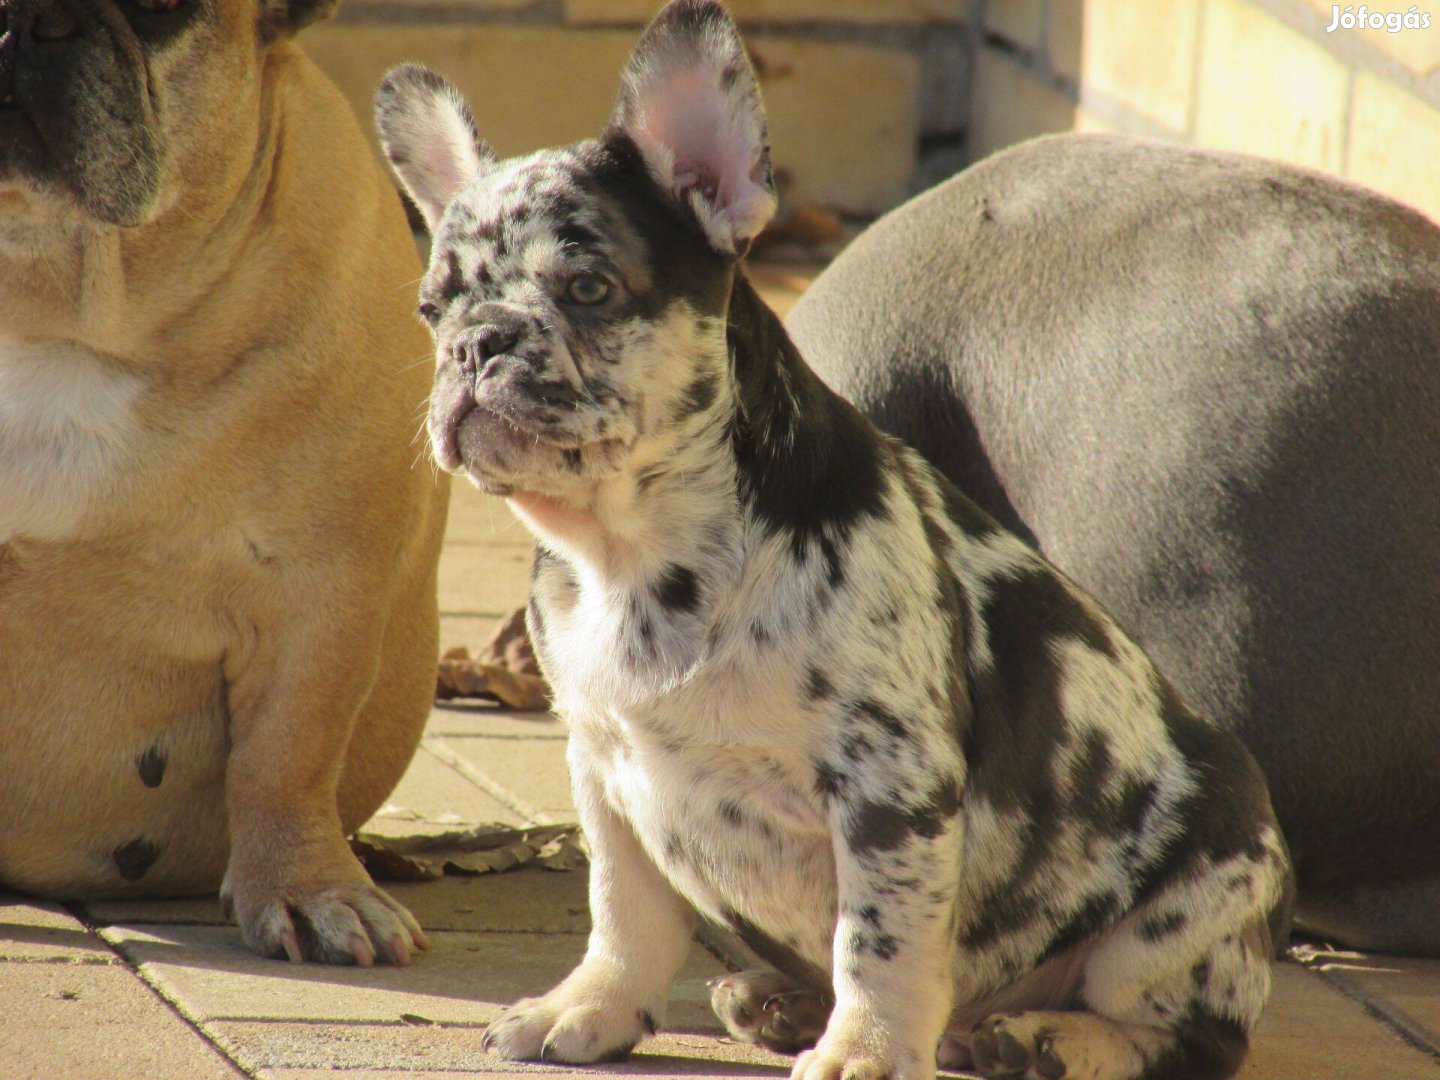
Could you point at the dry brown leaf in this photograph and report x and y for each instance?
(505, 670)
(487, 849)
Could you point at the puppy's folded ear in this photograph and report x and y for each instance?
(690, 101)
(429, 137)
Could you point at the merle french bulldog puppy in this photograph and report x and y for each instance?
(813, 693)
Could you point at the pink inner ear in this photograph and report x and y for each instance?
(709, 135)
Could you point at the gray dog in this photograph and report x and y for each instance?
(1208, 387)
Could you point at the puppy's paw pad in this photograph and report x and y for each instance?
(1010, 1048)
(549, 1029)
(766, 1008)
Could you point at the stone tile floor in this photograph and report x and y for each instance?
(163, 989)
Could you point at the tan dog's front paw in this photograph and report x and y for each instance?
(569, 1025)
(852, 1052)
(329, 922)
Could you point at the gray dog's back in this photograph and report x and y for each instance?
(1208, 387)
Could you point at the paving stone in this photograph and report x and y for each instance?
(1395, 142)
(1011, 105)
(308, 1052)
(482, 580)
(1140, 54)
(432, 797)
(529, 900)
(95, 1022)
(1403, 988)
(463, 718)
(1311, 1030)
(34, 930)
(535, 769)
(761, 11)
(1266, 89)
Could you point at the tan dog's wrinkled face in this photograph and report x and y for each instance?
(104, 102)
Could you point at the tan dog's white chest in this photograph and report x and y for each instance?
(67, 425)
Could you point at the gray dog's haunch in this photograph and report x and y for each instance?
(1208, 387)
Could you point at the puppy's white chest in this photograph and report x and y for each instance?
(67, 424)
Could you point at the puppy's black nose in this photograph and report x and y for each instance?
(474, 348)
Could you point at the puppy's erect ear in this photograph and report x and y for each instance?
(690, 101)
(429, 137)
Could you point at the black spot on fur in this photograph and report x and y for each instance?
(647, 1021)
(698, 396)
(1094, 915)
(731, 812)
(452, 282)
(834, 568)
(870, 710)
(1157, 927)
(151, 766)
(1207, 1047)
(572, 458)
(875, 826)
(678, 589)
(829, 781)
(817, 686)
(135, 858)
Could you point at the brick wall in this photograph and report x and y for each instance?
(1261, 76)
(857, 90)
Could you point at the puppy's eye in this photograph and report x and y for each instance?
(428, 311)
(587, 289)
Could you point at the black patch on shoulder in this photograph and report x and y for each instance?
(1038, 606)
(151, 766)
(678, 589)
(809, 465)
(135, 858)
(1094, 915)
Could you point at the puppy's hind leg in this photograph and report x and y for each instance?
(771, 1010)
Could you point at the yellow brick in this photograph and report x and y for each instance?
(531, 87)
(1018, 21)
(1418, 50)
(1395, 143)
(873, 12)
(1140, 54)
(1010, 106)
(1267, 90)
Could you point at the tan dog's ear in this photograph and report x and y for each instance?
(282, 18)
(429, 138)
(690, 101)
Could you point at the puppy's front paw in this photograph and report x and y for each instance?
(340, 918)
(854, 1051)
(580, 1021)
(1013, 1046)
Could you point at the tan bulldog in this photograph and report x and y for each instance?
(217, 549)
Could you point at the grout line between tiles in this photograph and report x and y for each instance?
(532, 815)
